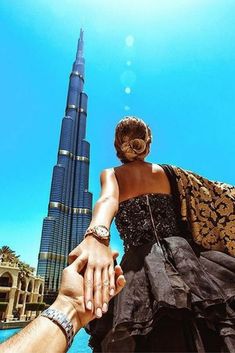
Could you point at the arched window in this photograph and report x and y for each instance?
(4, 297)
(40, 289)
(6, 280)
(30, 286)
(21, 299)
(28, 298)
(23, 283)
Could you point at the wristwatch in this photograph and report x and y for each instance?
(99, 231)
(62, 321)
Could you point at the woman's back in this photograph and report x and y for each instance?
(137, 181)
(139, 177)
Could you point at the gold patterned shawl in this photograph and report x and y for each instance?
(206, 206)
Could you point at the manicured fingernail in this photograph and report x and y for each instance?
(122, 279)
(112, 292)
(89, 305)
(98, 312)
(105, 307)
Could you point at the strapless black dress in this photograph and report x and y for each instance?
(177, 298)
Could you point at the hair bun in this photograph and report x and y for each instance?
(132, 148)
(132, 139)
(138, 145)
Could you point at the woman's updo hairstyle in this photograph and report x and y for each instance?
(132, 139)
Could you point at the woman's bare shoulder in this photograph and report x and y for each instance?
(155, 168)
(109, 170)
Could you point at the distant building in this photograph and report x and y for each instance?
(70, 204)
(18, 292)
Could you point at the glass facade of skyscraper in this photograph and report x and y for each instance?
(70, 204)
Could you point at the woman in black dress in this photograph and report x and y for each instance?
(180, 278)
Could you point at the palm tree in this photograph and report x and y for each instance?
(8, 255)
(25, 269)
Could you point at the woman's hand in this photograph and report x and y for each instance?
(99, 274)
(71, 293)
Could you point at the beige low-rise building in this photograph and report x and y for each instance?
(18, 291)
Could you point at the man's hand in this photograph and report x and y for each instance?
(71, 293)
(41, 334)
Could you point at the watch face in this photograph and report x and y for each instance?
(102, 231)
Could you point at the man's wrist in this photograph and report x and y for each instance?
(65, 305)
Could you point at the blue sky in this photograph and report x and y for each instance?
(177, 57)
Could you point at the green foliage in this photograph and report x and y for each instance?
(25, 269)
(8, 255)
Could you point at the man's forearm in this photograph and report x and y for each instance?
(42, 335)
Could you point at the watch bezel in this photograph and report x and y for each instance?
(101, 235)
(95, 230)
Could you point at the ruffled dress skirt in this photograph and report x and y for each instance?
(174, 300)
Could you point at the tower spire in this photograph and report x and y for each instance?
(79, 55)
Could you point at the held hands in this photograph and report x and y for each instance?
(73, 288)
(99, 275)
(42, 335)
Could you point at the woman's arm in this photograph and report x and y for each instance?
(100, 266)
(107, 205)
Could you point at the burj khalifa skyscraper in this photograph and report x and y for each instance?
(70, 204)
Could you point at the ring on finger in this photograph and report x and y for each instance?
(106, 283)
(88, 282)
(97, 285)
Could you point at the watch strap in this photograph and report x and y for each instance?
(92, 230)
(97, 237)
(62, 321)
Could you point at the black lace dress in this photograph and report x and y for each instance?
(178, 297)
